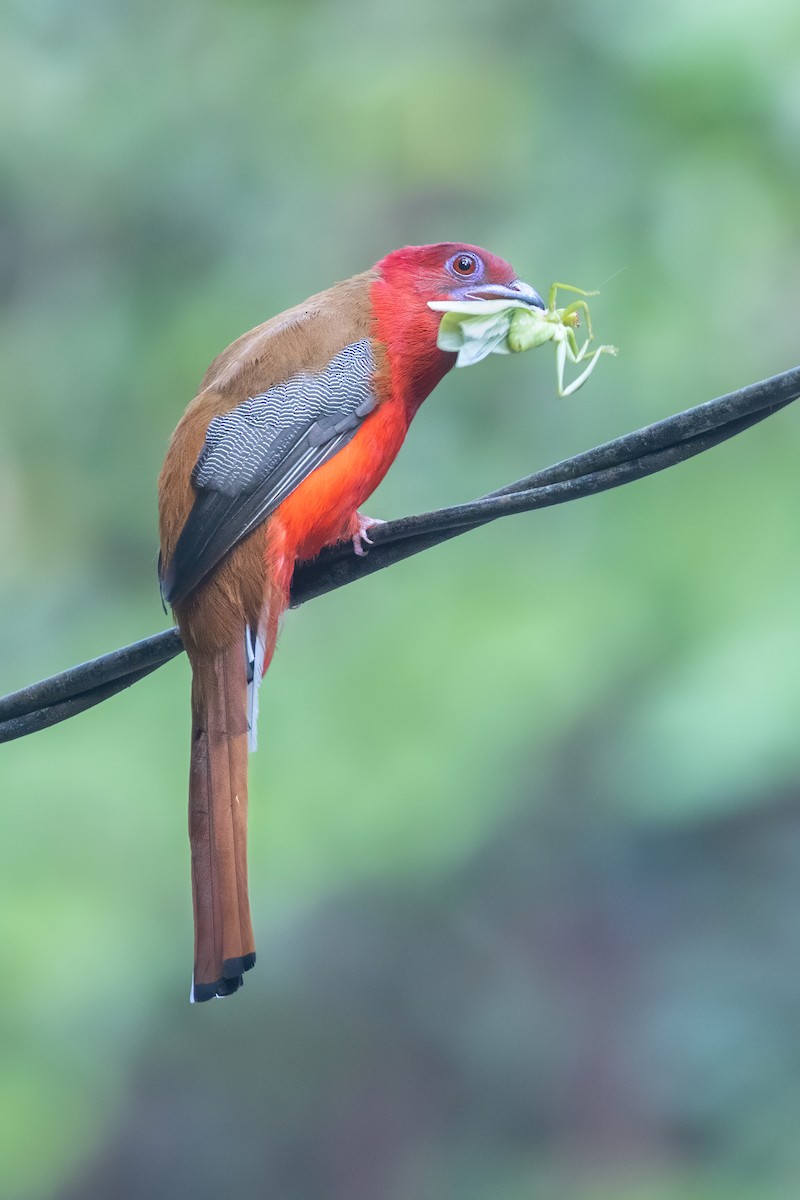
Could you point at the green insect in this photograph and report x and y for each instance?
(471, 329)
(531, 327)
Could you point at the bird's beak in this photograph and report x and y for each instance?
(516, 290)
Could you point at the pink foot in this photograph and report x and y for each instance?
(364, 523)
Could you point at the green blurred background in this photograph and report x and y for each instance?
(525, 846)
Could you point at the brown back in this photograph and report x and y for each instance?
(304, 338)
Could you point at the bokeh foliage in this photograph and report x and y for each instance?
(525, 835)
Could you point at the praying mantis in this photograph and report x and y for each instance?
(532, 327)
(474, 328)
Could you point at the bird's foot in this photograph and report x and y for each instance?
(360, 536)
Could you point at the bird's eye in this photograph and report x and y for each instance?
(465, 264)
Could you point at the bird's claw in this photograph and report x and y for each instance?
(361, 535)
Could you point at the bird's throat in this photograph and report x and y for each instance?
(407, 330)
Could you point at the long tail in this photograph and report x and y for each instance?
(223, 933)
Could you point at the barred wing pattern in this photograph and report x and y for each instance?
(256, 455)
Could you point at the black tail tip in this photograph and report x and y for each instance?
(231, 979)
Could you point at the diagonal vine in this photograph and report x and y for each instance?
(623, 460)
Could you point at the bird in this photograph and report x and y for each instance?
(294, 426)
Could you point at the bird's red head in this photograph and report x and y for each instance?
(408, 279)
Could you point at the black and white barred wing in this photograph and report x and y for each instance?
(256, 455)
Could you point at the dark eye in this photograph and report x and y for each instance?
(465, 264)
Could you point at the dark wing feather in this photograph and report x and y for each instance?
(256, 455)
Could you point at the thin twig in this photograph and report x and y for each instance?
(623, 460)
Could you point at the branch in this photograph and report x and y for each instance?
(634, 456)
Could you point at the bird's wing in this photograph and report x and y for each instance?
(256, 455)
